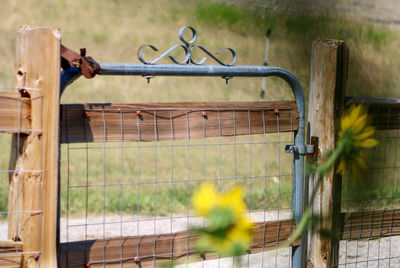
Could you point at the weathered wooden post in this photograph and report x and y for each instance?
(329, 61)
(34, 186)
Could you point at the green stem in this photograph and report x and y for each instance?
(321, 171)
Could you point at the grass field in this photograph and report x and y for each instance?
(112, 31)
(158, 178)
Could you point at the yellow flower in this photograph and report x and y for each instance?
(229, 231)
(205, 199)
(234, 199)
(355, 135)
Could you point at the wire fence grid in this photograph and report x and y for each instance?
(112, 191)
(14, 211)
(373, 237)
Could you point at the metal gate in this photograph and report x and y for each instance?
(157, 148)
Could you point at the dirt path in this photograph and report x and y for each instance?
(381, 11)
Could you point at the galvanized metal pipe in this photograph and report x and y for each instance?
(190, 70)
(298, 256)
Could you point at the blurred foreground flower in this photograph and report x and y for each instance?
(355, 135)
(228, 230)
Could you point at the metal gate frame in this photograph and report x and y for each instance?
(190, 67)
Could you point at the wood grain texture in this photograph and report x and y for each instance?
(156, 249)
(15, 113)
(326, 97)
(173, 121)
(10, 254)
(34, 192)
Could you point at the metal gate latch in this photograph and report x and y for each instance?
(299, 149)
(310, 150)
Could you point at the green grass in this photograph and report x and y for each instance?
(379, 188)
(159, 179)
(4, 159)
(3, 201)
(163, 200)
(245, 21)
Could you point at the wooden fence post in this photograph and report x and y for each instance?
(329, 61)
(33, 193)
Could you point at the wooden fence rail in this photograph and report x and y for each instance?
(147, 249)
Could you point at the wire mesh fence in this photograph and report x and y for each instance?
(372, 204)
(128, 173)
(17, 216)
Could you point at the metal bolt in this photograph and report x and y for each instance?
(86, 114)
(139, 113)
(204, 114)
(276, 111)
(227, 78)
(88, 264)
(39, 133)
(148, 77)
(137, 259)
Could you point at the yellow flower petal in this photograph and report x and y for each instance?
(237, 236)
(355, 134)
(341, 167)
(354, 113)
(205, 199)
(367, 133)
(234, 199)
(368, 143)
(361, 163)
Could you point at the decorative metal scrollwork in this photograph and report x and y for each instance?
(188, 48)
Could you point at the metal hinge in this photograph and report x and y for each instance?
(69, 58)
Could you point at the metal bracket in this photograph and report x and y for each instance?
(310, 150)
(299, 149)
